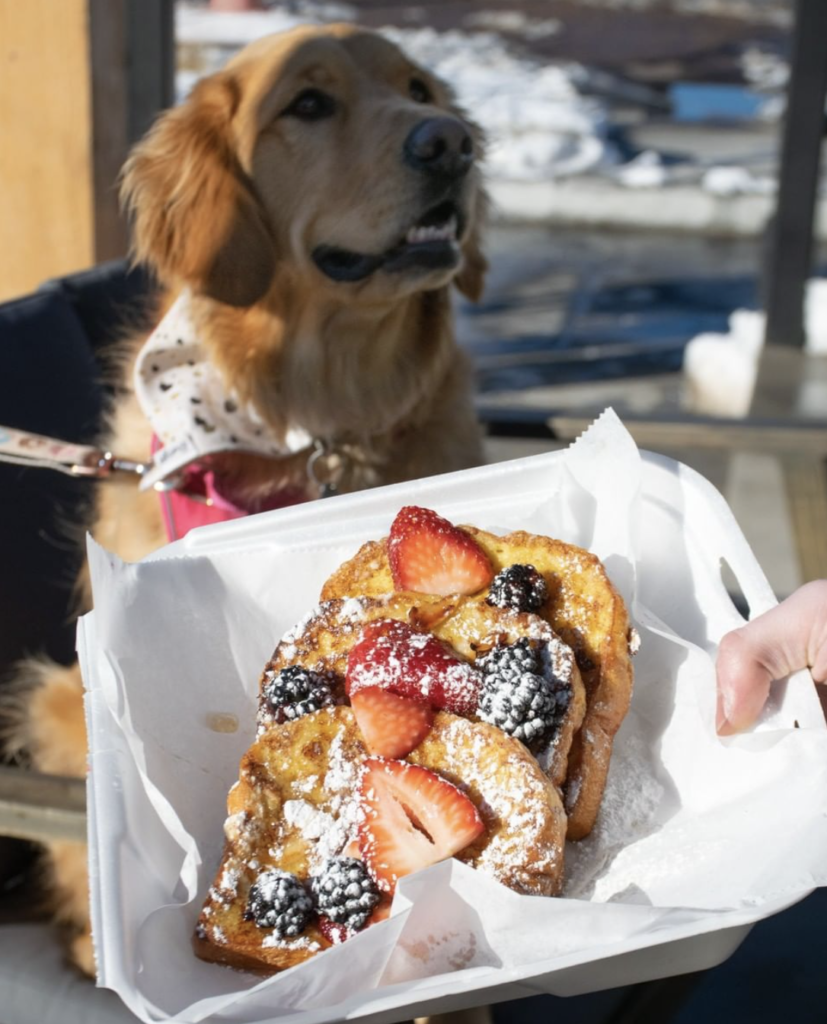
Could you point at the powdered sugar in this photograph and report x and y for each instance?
(233, 825)
(327, 827)
(272, 941)
(352, 608)
(229, 879)
(394, 656)
(627, 814)
(307, 784)
(575, 784)
(309, 820)
(524, 825)
(301, 627)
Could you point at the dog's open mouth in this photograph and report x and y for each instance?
(429, 244)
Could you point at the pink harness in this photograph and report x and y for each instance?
(200, 502)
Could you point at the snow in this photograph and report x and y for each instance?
(233, 29)
(515, 21)
(815, 317)
(733, 181)
(538, 123)
(543, 121)
(720, 369)
(646, 170)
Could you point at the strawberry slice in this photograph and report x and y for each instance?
(391, 725)
(412, 818)
(391, 655)
(430, 555)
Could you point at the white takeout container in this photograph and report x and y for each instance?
(663, 533)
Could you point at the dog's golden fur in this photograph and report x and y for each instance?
(230, 195)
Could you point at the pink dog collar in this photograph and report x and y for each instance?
(199, 502)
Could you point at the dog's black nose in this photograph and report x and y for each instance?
(441, 146)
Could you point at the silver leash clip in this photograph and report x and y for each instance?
(22, 448)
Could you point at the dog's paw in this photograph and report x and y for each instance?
(66, 890)
(52, 721)
(82, 953)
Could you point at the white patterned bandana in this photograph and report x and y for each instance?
(191, 411)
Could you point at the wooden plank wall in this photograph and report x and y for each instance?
(75, 80)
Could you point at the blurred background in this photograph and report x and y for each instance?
(636, 151)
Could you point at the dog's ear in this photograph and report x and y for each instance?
(471, 277)
(196, 217)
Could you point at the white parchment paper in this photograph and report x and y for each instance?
(696, 834)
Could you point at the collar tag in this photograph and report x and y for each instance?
(326, 467)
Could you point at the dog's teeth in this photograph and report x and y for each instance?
(444, 233)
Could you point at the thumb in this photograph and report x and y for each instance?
(789, 637)
(743, 682)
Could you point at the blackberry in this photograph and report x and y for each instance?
(520, 692)
(520, 587)
(297, 691)
(345, 892)
(279, 901)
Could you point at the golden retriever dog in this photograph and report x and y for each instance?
(311, 204)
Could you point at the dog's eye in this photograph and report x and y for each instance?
(419, 91)
(311, 105)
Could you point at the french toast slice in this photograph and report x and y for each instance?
(296, 804)
(293, 806)
(582, 607)
(323, 640)
(525, 824)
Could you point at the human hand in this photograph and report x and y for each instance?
(789, 637)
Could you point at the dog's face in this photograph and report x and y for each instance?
(323, 154)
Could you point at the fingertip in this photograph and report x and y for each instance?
(725, 727)
(742, 683)
(721, 721)
(738, 710)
